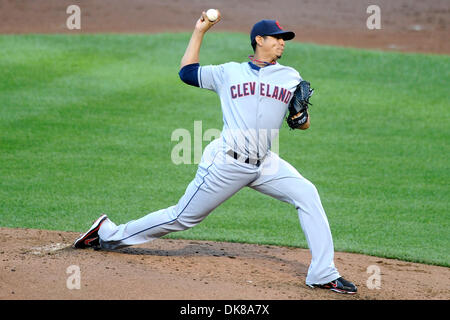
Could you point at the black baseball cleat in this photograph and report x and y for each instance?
(90, 238)
(339, 285)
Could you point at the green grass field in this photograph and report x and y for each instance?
(86, 124)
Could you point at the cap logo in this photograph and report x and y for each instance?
(278, 25)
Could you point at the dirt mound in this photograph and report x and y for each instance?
(40, 264)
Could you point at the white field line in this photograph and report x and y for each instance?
(49, 248)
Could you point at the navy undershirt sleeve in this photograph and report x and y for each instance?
(189, 74)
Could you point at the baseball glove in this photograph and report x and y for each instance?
(298, 107)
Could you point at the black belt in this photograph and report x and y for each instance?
(237, 156)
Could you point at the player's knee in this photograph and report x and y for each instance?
(184, 225)
(177, 224)
(187, 222)
(311, 189)
(305, 190)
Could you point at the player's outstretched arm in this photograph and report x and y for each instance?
(192, 53)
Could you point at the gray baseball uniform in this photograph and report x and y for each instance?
(254, 103)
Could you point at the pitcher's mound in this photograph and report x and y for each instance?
(40, 264)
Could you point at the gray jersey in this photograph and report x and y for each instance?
(254, 102)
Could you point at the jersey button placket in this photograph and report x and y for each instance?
(258, 116)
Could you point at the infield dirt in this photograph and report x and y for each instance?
(34, 265)
(406, 25)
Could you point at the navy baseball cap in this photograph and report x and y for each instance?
(269, 28)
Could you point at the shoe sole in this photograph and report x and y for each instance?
(342, 291)
(333, 289)
(95, 226)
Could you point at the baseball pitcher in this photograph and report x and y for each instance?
(256, 96)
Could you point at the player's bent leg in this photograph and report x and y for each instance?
(287, 185)
(215, 181)
(156, 224)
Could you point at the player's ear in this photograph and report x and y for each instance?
(259, 40)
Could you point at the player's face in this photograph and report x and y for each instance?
(278, 46)
(273, 47)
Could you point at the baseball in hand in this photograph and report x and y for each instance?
(212, 14)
